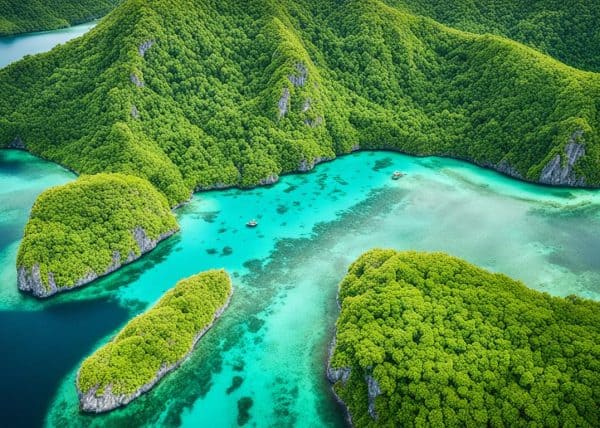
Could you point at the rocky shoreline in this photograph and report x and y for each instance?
(336, 375)
(342, 374)
(108, 401)
(30, 280)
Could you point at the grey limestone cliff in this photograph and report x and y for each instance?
(17, 143)
(561, 172)
(335, 375)
(143, 48)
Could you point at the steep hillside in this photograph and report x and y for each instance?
(431, 340)
(199, 94)
(18, 16)
(567, 30)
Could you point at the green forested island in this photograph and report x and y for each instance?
(153, 344)
(428, 339)
(21, 16)
(89, 228)
(201, 94)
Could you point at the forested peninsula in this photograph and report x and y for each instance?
(20, 16)
(153, 344)
(83, 230)
(431, 340)
(194, 95)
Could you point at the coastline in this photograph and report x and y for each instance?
(29, 278)
(90, 403)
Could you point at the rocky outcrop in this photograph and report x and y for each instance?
(143, 48)
(271, 179)
(135, 112)
(284, 102)
(17, 143)
(301, 77)
(107, 401)
(306, 166)
(505, 168)
(561, 171)
(30, 279)
(136, 80)
(335, 375)
(374, 391)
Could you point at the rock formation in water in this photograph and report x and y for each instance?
(90, 228)
(186, 313)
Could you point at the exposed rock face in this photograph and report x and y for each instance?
(374, 392)
(136, 80)
(271, 179)
(284, 102)
(30, 280)
(306, 166)
(135, 112)
(143, 48)
(505, 168)
(559, 172)
(300, 78)
(17, 143)
(107, 401)
(336, 375)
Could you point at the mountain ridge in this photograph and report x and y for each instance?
(204, 105)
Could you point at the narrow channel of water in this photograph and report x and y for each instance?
(263, 363)
(13, 48)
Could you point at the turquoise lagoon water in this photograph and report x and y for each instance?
(263, 363)
(13, 48)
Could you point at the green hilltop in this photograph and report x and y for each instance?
(19, 16)
(199, 94)
(154, 343)
(89, 228)
(431, 340)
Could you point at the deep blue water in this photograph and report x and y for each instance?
(39, 348)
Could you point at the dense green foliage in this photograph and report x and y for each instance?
(21, 16)
(77, 228)
(158, 338)
(200, 107)
(567, 30)
(451, 344)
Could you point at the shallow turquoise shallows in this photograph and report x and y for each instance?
(13, 48)
(271, 344)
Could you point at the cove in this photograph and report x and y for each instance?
(13, 48)
(263, 362)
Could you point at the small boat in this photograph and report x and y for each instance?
(396, 175)
(252, 223)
